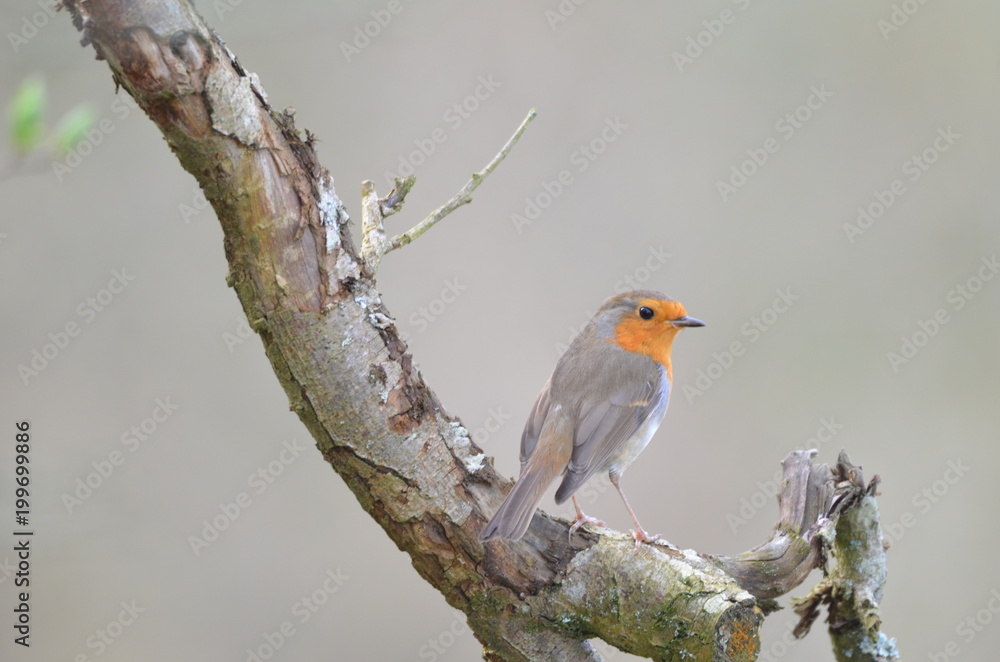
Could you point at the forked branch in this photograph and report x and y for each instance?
(337, 353)
(374, 244)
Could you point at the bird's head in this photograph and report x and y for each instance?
(645, 322)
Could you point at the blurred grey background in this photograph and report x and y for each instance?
(719, 152)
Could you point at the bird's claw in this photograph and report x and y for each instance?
(585, 519)
(641, 536)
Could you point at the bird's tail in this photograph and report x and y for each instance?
(514, 515)
(548, 461)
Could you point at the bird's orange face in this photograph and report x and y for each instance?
(650, 328)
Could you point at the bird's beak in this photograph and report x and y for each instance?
(687, 321)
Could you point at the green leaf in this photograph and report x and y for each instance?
(73, 127)
(26, 111)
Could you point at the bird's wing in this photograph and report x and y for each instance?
(604, 428)
(533, 426)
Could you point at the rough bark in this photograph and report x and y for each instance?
(852, 590)
(335, 349)
(783, 562)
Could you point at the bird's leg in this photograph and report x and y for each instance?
(639, 533)
(582, 518)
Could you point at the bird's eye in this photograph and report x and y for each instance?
(646, 313)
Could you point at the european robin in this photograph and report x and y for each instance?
(599, 409)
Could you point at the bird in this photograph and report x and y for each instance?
(598, 410)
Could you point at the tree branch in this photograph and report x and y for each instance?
(853, 588)
(464, 196)
(374, 210)
(335, 349)
(793, 551)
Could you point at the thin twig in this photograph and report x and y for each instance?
(393, 202)
(464, 196)
(373, 213)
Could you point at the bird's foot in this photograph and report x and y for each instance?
(641, 536)
(582, 519)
